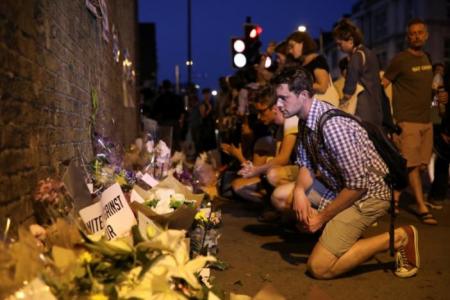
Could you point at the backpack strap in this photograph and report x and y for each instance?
(339, 113)
(329, 162)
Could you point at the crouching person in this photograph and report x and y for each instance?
(352, 193)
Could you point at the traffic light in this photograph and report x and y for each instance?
(245, 51)
(252, 43)
(238, 52)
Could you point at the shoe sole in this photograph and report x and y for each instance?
(416, 245)
(434, 206)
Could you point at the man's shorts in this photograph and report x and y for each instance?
(342, 232)
(415, 143)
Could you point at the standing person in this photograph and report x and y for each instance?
(169, 111)
(207, 137)
(441, 132)
(411, 75)
(346, 159)
(303, 49)
(363, 69)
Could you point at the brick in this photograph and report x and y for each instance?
(51, 56)
(14, 160)
(14, 137)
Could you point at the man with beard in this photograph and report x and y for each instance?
(411, 75)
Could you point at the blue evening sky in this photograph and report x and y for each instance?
(214, 22)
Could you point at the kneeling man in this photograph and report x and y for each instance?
(352, 192)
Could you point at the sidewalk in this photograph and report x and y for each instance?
(264, 253)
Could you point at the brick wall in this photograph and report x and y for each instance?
(52, 55)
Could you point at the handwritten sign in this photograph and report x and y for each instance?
(117, 213)
(92, 217)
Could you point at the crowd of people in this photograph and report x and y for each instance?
(327, 175)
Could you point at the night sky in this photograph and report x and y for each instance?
(214, 22)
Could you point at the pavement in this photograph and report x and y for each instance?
(260, 254)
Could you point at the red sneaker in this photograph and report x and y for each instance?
(407, 257)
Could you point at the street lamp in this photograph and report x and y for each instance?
(301, 28)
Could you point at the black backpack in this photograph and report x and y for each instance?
(397, 178)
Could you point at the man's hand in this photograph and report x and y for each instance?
(247, 170)
(314, 222)
(302, 207)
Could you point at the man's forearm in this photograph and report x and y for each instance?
(342, 201)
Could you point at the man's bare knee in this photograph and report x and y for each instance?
(321, 263)
(318, 269)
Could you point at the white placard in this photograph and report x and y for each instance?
(118, 215)
(92, 217)
(148, 179)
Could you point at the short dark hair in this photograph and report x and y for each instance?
(266, 96)
(297, 78)
(206, 91)
(309, 45)
(415, 21)
(346, 30)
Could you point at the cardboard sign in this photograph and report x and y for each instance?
(117, 213)
(92, 217)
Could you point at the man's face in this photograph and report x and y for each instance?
(288, 102)
(417, 36)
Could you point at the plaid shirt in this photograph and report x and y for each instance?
(358, 161)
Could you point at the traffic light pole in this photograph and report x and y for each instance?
(189, 46)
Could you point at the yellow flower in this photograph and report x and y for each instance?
(120, 179)
(85, 257)
(200, 216)
(98, 297)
